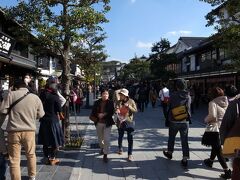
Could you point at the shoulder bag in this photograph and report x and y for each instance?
(17, 101)
(180, 112)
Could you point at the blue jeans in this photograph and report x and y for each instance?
(129, 138)
(3, 166)
(173, 130)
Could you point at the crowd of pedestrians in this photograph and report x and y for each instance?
(176, 103)
(116, 106)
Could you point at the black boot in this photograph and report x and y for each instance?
(184, 163)
(167, 154)
(227, 174)
(208, 162)
(105, 158)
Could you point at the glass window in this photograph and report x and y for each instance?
(24, 52)
(214, 54)
(208, 55)
(203, 57)
(221, 54)
(22, 49)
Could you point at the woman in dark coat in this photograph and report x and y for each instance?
(50, 132)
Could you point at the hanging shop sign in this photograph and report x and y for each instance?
(6, 44)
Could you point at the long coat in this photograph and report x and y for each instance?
(50, 131)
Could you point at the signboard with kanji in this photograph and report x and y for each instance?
(6, 44)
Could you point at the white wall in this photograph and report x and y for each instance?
(180, 47)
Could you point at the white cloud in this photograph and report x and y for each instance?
(144, 44)
(173, 33)
(185, 32)
(133, 1)
(179, 33)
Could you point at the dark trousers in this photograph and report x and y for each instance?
(182, 128)
(236, 169)
(129, 138)
(146, 103)
(192, 107)
(141, 105)
(50, 152)
(153, 104)
(217, 151)
(3, 167)
(165, 112)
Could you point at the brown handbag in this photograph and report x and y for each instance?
(93, 118)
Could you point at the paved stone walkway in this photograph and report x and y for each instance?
(149, 163)
(150, 139)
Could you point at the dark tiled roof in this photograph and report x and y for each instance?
(192, 41)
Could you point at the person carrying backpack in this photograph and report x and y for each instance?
(178, 117)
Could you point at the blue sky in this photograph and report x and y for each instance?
(136, 24)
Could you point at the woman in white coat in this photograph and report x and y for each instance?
(216, 110)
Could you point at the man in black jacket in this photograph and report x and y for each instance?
(103, 110)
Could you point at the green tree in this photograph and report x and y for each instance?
(160, 59)
(228, 28)
(161, 46)
(137, 69)
(89, 53)
(59, 24)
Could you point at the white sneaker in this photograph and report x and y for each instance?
(32, 178)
